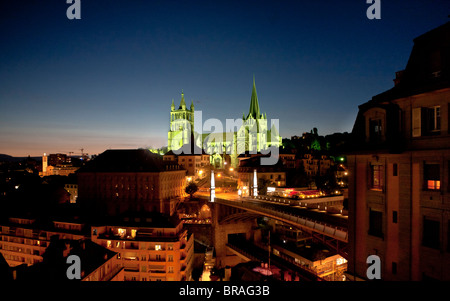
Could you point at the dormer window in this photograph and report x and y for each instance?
(375, 130)
(375, 125)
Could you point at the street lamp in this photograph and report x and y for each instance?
(255, 184)
(213, 187)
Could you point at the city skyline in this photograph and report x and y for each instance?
(108, 80)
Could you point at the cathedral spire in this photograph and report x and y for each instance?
(172, 107)
(182, 103)
(254, 105)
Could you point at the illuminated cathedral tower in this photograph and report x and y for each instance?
(252, 136)
(181, 124)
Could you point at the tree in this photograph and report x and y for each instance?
(191, 188)
(263, 184)
(327, 182)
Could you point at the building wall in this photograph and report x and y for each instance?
(136, 191)
(165, 255)
(73, 190)
(406, 203)
(23, 242)
(245, 180)
(316, 166)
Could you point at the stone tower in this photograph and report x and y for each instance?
(252, 136)
(181, 124)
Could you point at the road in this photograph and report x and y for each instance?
(313, 214)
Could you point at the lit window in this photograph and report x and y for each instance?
(432, 176)
(121, 232)
(377, 177)
(340, 261)
(158, 247)
(434, 185)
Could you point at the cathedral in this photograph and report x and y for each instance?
(251, 135)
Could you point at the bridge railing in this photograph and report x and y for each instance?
(333, 231)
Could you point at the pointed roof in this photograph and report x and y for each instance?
(254, 105)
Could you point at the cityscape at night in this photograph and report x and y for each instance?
(225, 148)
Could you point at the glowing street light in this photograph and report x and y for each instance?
(213, 188)
(255, 184)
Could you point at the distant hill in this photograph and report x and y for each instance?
(8, 158)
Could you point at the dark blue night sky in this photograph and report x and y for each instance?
(108, 80)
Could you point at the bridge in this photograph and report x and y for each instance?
(330, 229)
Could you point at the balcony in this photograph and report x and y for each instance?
(131, 268)
(157, 260)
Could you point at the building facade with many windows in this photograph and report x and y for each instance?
(399, 169)
(150, 248)
(24, 240)
(120, 180)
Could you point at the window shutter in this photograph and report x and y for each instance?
(416, 122)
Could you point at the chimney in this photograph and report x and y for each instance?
(398, 77)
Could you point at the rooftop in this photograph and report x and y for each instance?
(428, 67)
(126, 160)
(142, 219)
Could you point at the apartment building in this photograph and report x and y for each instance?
(150, 247)
(399, 169)
(24, 240)
(269, 175)
(316, 165)
(196, 163)
(120, 180)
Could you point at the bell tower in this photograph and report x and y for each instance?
(253, 133)
(181, 124)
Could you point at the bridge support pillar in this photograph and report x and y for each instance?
(239, 228)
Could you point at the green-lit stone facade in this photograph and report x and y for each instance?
(252, 136)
